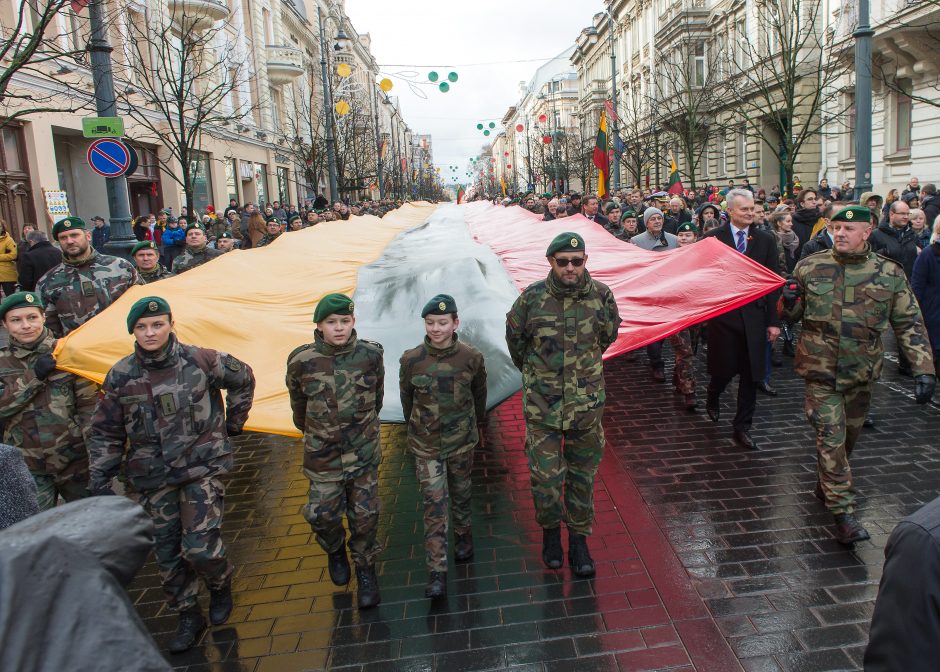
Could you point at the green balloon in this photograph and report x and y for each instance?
(432, 76)
(444, 87)
(452, 76)
(480, 127)
(492, 124)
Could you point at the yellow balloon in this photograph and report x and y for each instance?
(386, 85)
(342, 108)
(343, 70)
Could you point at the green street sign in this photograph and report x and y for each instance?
(103, 127)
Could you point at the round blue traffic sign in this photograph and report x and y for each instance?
(109, 157)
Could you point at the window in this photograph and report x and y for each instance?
(697, 74)
(283, 185)
(720, 150)
(261, 182)
(201, 180)
(276, 109)
(231, 183)
(902, 116)
(704, 161)
(740, 29)
(741, 150)
(849, 150)
(268, 26)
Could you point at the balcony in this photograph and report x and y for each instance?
(198, 14)
(284, 63)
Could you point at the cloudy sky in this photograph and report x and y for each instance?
(510, 37)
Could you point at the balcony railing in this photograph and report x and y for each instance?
(198, 14)
(284, 63)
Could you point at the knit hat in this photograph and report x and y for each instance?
(650, 212)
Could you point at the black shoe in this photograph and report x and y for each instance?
(788, 348)
(869, 422)
(691, 405)
(713, 410)
(338, 566)
(743, 439)
(849, 530)
(220, 604)
(368, 595)
(579, 557)
(463, 547)
(818, 493)
(191, 626)
(767, 389)
(905, 371)
(437, 585)
(659, 376)
(551, 547)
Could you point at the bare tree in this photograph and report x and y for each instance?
(897, 64)
(184, 76)
(635, 125)
(34, 44)
(784, 84)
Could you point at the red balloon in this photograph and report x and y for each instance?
(547, 139)
(542, 118)
(519, 128)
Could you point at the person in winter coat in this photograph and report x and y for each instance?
(174, 240)
(8, 272)
(925, 280)
(825, 191)
(930, 203)
(918, 222)
(895, 239)
(142, 228)
(256, 228)
(36, 260)
(807, 220)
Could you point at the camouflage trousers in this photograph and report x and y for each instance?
(683, 375)
(50, 487)
(188, 524)
(444, 481)
(837, 418)
(357, 499)
(562, 466)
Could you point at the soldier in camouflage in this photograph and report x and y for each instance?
(847, 297)
(272, 231)
(161, 421)
(146, 257)
(557, 332)
(683, 375)
(443, 396)
(335, 386)
(85, 283)
(43, 411)
(197, 250)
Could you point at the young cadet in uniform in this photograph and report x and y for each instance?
(39, 405)
(683, 376)
(443, 396)
(165, 402)
(197, 250)
(146, 257)
(335, 386)
(848, 297)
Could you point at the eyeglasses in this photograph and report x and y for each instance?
(577, 262)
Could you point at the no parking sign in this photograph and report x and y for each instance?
(109, 157)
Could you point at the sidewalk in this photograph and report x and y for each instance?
(705, 555)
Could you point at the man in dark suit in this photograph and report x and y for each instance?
(590, 209)
(737, 340)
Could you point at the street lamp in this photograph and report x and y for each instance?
(613, 95)
(328, 105)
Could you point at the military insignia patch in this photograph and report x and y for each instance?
(232, 364)
(849, 215)
(574, 242)
(442, 306)
(29, 298)
(153, 307)
(351, 305)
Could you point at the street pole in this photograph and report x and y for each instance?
(863, 100)
(328, 113)
(119, 212)
(378, 144)
(613, 95)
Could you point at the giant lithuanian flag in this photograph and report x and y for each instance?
(601, 157)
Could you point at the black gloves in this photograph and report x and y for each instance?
(791, 293)
(232, 430)
(924, 385)
(44, 365)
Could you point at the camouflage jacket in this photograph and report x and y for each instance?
(443, 396)
(848, 301)
(267, 239)
(42, 417)
(556, 337)
(336, 397)
(158, 273)
(167, 407)
(74, 292)
(191, 258)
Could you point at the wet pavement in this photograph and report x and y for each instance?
(709, 558)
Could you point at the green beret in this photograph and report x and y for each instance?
(565, 242)
(442, 304)
(195, 225)
(226, 234)
(852, 213)
(20, 300)
(628, 214)
(146, 307)
(687, 227)
(271, 218)
(292, 218)
(143, 245)
(333, 304)
(67, 224)
(546, 196)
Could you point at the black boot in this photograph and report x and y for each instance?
(368, 596)
(437, 585)
(220, 604)
(551, 547)
(463, 547)
(191, 626)
(849, 530)
(788, 347)
(579, 557)
(818, 492)
(338, 566)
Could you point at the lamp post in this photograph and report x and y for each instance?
(613, 96)
(863, 35)
(378, 143)
(656, 141)
(327, 112)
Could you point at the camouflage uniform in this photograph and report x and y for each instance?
(849, 300)
(44, 419)
(336, 397)
(267, 239)
(556, 337)
(191, 258)
(168, 407)
(683, 375)
(443, 397)
(75, 291)
(158, 273)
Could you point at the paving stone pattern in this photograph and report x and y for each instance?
(708, 558)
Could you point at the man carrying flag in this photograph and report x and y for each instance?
(601, 158)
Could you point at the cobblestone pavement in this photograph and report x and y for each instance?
(709, 558)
